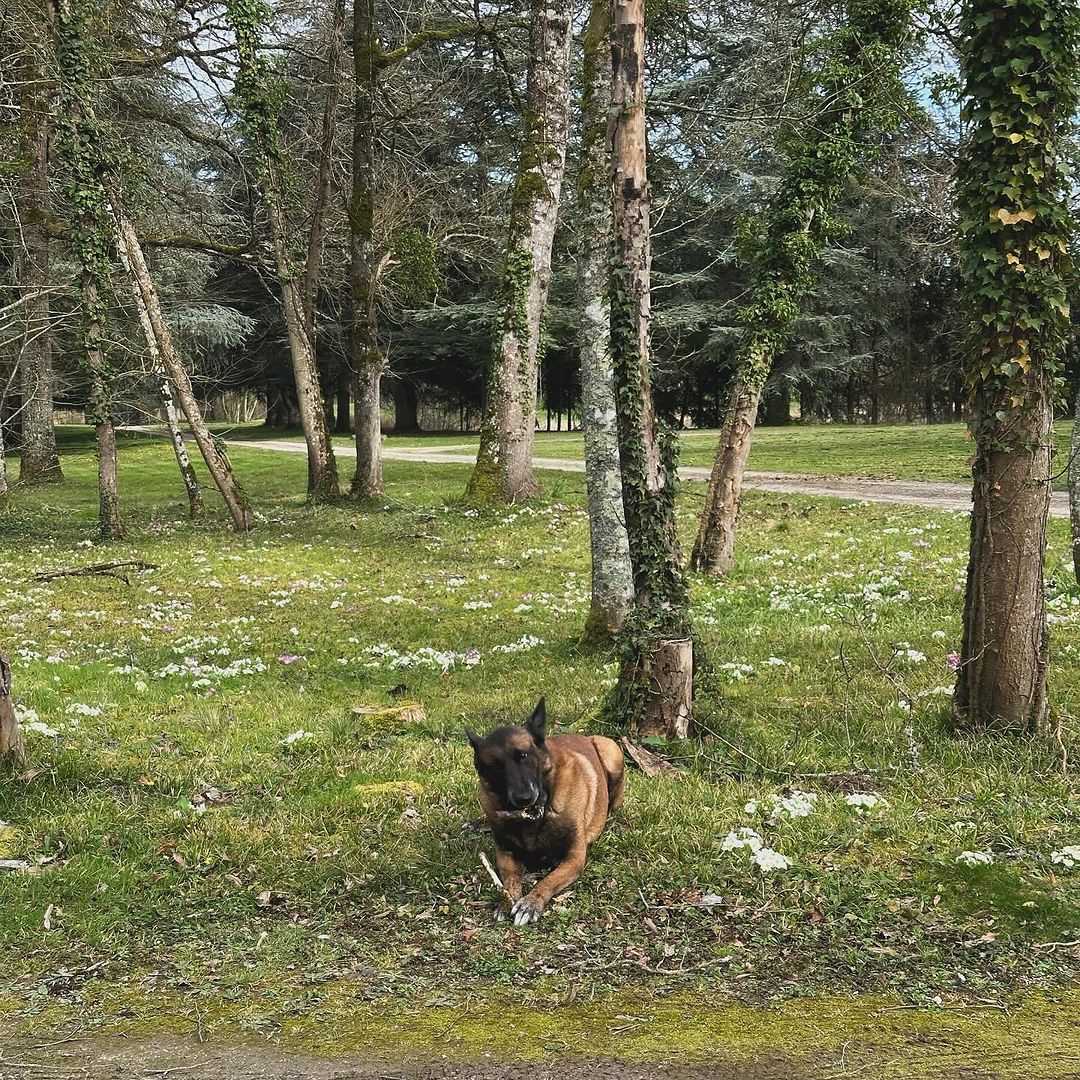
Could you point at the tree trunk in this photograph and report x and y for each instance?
(655, 688)
(714, 549)
(183, 459)
(160, 340)
(1074, 486)
(1012, 199)
(367, 360)
(3, 467)
(39, 461)
(12, 752)
(406, 405)
(503, 472)
(344, 399)
(612, 574)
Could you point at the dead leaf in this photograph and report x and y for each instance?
(50, 911)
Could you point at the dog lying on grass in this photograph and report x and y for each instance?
(546, 799)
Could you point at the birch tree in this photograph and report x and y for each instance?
(503, 471)
(858, 94)
(1021, 69)
(654, 695)
(612, 574)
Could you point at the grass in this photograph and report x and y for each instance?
(179, 839)
(940, 452)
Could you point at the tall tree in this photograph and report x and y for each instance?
(1021, 68)
(259, 107)
(655, 691)
(39, 461)
(858, 95)
(612, 573)
(86, 156)
(503, 471)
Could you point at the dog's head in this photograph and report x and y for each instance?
(513, 763)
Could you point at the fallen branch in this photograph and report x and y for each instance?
(105, 569)
(649, 763)
(495, 877)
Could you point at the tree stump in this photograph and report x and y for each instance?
(12, 752)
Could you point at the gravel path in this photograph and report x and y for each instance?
(933, 496)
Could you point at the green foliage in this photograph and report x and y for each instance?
(859, 88)
(418, 270)
(1022, 71)
(258, 93)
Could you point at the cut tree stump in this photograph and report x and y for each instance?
(12, 751)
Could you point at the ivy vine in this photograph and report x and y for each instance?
(1021, 70)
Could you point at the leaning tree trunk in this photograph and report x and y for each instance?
(858, 94)
(612, 573)
(12, 753)
(503, 471)
(159, 337)
(1013, 206)
(39, 461)
(655, 691)
(367, 360)
(1074, 486)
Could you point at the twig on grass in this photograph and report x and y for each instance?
(495, 877)
(102, 569)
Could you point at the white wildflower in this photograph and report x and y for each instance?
(975, 858)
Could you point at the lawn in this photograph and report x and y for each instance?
(209, 819)
(885, 452)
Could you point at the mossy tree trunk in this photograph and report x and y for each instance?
(12, 752)
(503, 471)
(259, 108)
(85, 154)
(1013, 203)
(160, 340)
(612, 574)
(859, 93)
(654, 695)
(1074, 486)
(39, 461)
(367, 360)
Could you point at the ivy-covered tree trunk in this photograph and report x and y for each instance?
(503, 471)
(39, 461)
(654, 695)
(368, 362)
(1074, 486)
(159, 338)
(1012, 198)
(12, 752)
(612, 574)
(860, 89)
(259, 109)
(85, 156)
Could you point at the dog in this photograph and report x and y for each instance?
(546, 799)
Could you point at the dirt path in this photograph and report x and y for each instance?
(119, 1058)
(933, 496)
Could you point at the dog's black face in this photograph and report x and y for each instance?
(512, 763)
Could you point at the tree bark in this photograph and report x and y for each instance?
(714, 549)
(12, 752)
(1074, 486)
(39, 461)
(503, 471)
(3, 467)
(176, 436)
(406, 405)
(654, 695)
(160, 340)
(612, 573)
(367, 360)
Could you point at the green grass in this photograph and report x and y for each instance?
(939, 452)
(342, 868)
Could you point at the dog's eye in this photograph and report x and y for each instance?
(522, 755)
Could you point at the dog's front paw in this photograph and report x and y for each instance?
(527, 910)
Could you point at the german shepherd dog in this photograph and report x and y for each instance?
(546, 799)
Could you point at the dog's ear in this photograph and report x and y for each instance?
(474, 739)
(536, 725)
